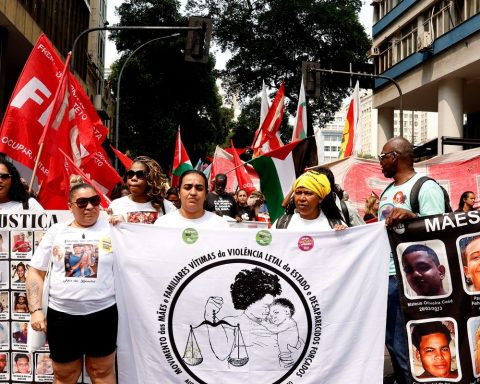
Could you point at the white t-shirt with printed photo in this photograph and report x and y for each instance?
(208, 220)
(82, 270)
(134, 212)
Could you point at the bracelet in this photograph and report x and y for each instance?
(35, 310)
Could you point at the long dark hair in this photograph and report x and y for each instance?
(461, 203)
(17, 191)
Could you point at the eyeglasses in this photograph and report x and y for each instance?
(139, 174)
(82, 202)
(384, 155)
(5, 176)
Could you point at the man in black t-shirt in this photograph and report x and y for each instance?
(219, 201)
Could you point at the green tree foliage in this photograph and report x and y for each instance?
(269, 39)
(160, 91)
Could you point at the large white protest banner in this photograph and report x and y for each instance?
(250, 306)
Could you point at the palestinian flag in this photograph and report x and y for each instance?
(279, 168)
(181, 161)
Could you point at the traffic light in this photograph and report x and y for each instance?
(198, 41)
(311, 78)
(365, 82)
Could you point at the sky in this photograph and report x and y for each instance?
(111, 53)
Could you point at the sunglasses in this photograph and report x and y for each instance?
(82, 202)
(5, 176)
(384, 155)
(139, 174)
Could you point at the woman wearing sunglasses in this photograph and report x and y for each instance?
(13, 193)
(146, 201)
(82, 314)
(193, 193)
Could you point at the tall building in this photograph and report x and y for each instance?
(431, 49)
(23, 21)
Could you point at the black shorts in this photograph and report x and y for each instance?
(72, 336)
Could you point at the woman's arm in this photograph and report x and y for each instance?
(34, 287)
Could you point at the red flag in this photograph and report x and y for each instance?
(124, 159)
(105, 201)
(243, 178)
(271, 124)
(33, 105)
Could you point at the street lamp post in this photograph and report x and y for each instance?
(117, 108)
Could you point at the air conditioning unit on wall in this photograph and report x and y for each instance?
(424, 41)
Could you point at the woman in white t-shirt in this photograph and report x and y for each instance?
(193, 193)
(82, 314)
(13, 194)
(315, 207)
(146, 201)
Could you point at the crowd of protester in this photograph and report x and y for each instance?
(315, 202)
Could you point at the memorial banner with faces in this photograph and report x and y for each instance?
(250, 305)
(438, 270)
(20, 234)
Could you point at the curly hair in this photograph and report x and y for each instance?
(17, 191)
(253, 285)
(156, 181)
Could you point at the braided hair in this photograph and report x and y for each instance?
(156, 181)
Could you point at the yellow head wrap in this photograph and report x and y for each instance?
(316, 182)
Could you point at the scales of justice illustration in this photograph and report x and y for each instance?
(238, 357)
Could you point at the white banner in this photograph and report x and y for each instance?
(250, 306)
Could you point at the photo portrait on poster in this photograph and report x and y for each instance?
(433, 347)
(19, 335)
(4, 366)
(43, 368)
(19, 274)
(4, 305)
(22, 366)
(250, 320)
(473, 326)
(425, 269)
(4, 274)
(4, 244)
(19, 305)
(468, 249)
(4, 335)
(38, 236)
(21, 244)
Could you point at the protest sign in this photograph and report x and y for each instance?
(436, 259)
(250, 305)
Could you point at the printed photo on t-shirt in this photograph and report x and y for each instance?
(4, 305)
(21, 244)
(142, 217)
(81, 258)
(4, 244)
(4, 335)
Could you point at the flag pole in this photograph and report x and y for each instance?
(83, 175)
(49, 120)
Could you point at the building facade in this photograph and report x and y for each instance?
(432, 49)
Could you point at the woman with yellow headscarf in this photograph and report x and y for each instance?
(315, 206)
